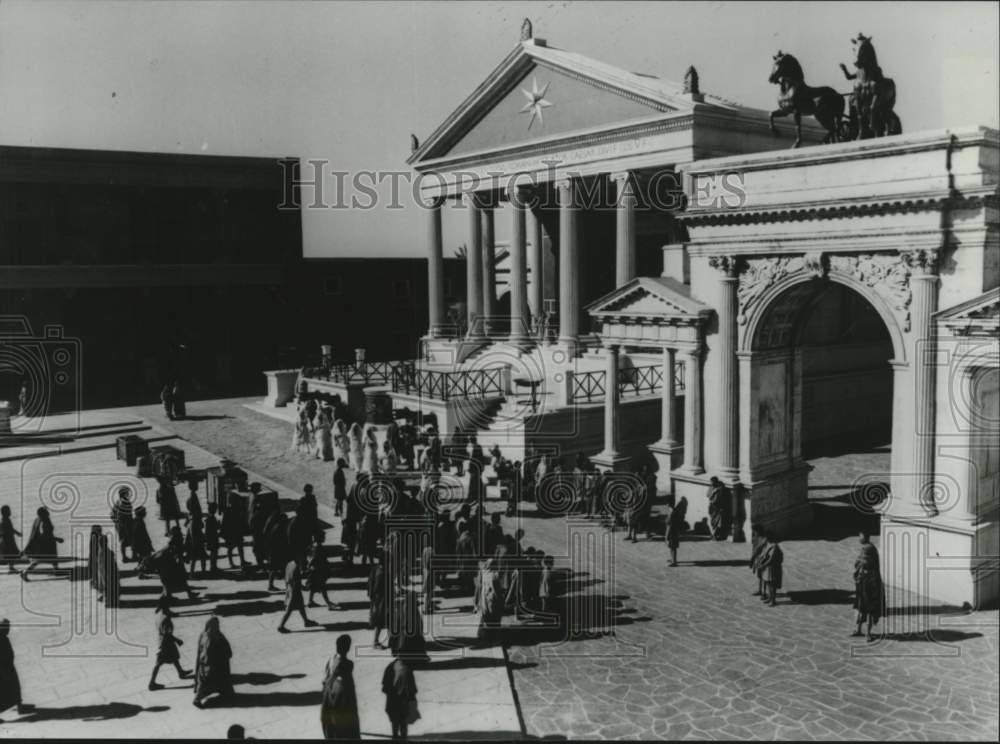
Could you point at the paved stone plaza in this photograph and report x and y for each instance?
(660, 652)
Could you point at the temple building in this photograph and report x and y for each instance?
(684, 289)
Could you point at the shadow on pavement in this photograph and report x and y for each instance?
(267, 699)
(101, 712)
(263, 678)
(822, 597)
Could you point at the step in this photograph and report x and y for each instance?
(92, 441)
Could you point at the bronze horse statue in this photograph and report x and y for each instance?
(874, 95)
(824, 103)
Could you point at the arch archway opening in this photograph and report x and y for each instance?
(822, 394)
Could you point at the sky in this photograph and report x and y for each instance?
(348, 82)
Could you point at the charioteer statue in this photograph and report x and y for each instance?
(874, 95)
(870, 112)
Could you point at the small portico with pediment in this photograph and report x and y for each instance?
(659, 313)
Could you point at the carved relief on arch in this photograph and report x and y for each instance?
(886, 275)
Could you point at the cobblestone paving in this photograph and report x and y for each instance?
(692, 654)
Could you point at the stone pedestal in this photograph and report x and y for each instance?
(280, 387)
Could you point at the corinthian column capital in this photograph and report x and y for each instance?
(923, 260)
(728, 265)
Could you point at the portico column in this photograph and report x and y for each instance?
(667, 412)
(610, 457)
(569, 279)
(489, 271)
(692, 412)
(518, 270)
(537, 292)
(435, 269)
(473, 267)
(924, 287)
(727, 428)
(625, 247)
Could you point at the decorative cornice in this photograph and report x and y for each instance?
(864, 207)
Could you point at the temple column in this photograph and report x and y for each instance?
(625, 246)
(435, 269)
(924, 288)
(727, 426)
(569, 278)
(518, 270)
(692, 412)
(473, 267)
(536, 294)
(611, 457)
(489, 271)
(667, 412)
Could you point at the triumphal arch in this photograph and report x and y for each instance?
(681, 287)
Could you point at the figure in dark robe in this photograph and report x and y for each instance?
(339, 487)
(167, 649)
(9, 552)
(167, 398)
(234, 523)
(260, 512)
(465, 548)
(170, 508)
(212, 538)
(400, 689)
(370, 530)
(121, 515)
(212, 673)
(276, 533)
(142, 545)
(719, 501)
(379, 592)
(180, 404)
(757, 544)
(317, 572)
(41, 545)
(771, 561)
(93, 557)
(194, 542)
(10, 683)
(338, 713)
(406, 627)
(676, 525)
(869, 592)
(108, 582)
(294, 601)
(168, 564)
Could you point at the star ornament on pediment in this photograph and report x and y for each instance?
(536, 102)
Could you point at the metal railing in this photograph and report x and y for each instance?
(589, 387)
(640, 380)
(430, 383)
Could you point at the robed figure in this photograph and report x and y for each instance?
(339, 707)
(212, 674)
(869, 596)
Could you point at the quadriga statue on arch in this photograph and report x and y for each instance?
(874, 95)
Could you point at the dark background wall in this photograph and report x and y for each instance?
(154, 267)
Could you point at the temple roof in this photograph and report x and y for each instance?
(585, 93)
(648, 296)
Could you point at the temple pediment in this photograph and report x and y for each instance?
(650, 297)
(980, 315)
(539, 92)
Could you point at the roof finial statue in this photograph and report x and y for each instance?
(691, 81)
(414, 143)
(526, 32)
